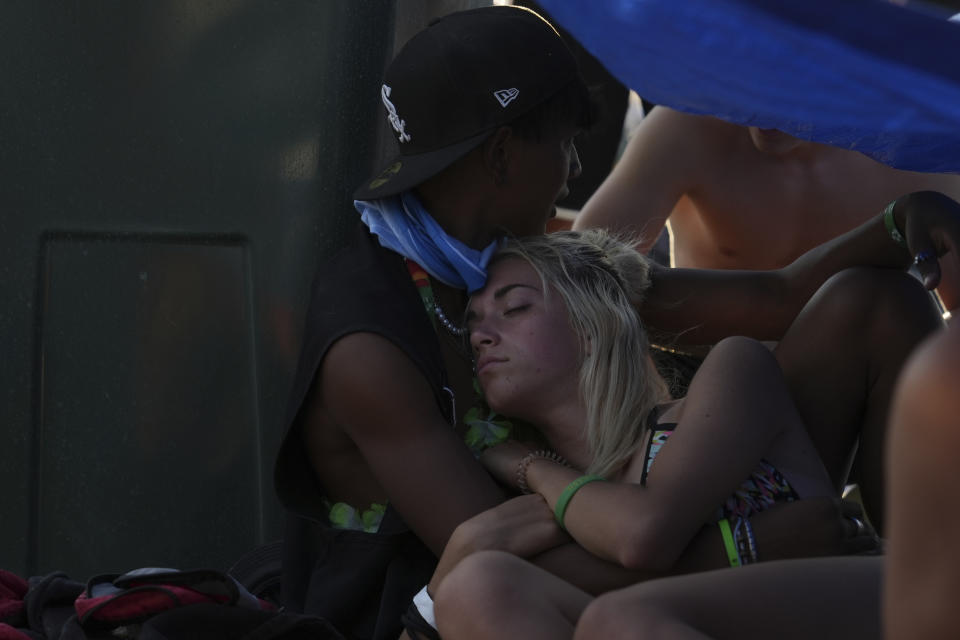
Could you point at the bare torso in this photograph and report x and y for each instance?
(731, 205)
(762, 211)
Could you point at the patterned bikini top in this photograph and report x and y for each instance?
(764, 488)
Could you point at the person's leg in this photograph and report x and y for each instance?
(819, 598)
(493, 594)
(841, 358)
(923, 559)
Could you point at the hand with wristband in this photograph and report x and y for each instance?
(927, 225)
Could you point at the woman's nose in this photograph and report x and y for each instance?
(480, 336)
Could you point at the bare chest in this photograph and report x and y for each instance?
(766, 215)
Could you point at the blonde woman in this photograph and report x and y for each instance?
(559, 344)
(632, 475)
(907, 594)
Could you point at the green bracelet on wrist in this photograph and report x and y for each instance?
(728, 543)
(891, 224)
(560, 510)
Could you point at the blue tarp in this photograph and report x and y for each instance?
(858, 74)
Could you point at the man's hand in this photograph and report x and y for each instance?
(523, 526)
(932, 227)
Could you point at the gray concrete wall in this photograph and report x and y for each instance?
(171, 171)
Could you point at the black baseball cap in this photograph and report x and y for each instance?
(455, 82)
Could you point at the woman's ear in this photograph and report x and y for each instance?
(497, 153)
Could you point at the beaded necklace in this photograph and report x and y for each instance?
(430, 303)
(485, 427)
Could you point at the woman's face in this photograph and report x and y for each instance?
(527, 355)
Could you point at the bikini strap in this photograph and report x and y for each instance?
(653, 428)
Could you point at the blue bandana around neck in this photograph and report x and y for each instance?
(402, 224)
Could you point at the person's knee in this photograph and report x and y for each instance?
(627, 613)
(744, 352)
(606, 617)
(477, 583)
(741, 346)
(871, 296)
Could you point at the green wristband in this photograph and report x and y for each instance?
(560, 510)
(728, 544)
(891, 224)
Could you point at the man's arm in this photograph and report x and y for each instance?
(380, 399)
(657, 167)
(699, 306)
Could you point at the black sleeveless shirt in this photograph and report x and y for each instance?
(361, 582)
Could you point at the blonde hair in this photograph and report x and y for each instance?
(602, 280)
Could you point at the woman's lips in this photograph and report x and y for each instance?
(486, 362)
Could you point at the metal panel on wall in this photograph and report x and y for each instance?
(161, 444)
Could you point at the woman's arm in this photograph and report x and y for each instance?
(699, 306)
(525, 526)
(737, 405)
(805, 528)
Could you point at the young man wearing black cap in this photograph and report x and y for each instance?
(485, 105)
(374, 472)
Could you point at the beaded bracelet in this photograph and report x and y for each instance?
(746, 544)
(891, 224)
(743, 552)
(560, 509)
(751, 540)
(542, 454)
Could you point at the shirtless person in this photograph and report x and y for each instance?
(747, 198)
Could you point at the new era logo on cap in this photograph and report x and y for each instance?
(506, 96)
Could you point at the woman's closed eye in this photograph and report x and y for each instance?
(516, 309)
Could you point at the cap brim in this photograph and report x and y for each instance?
(407, 171)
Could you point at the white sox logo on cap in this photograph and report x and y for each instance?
(442, 80)
(395, 121)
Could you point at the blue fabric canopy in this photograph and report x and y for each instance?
(858, 74)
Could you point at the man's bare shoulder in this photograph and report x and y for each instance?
(689, 130)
